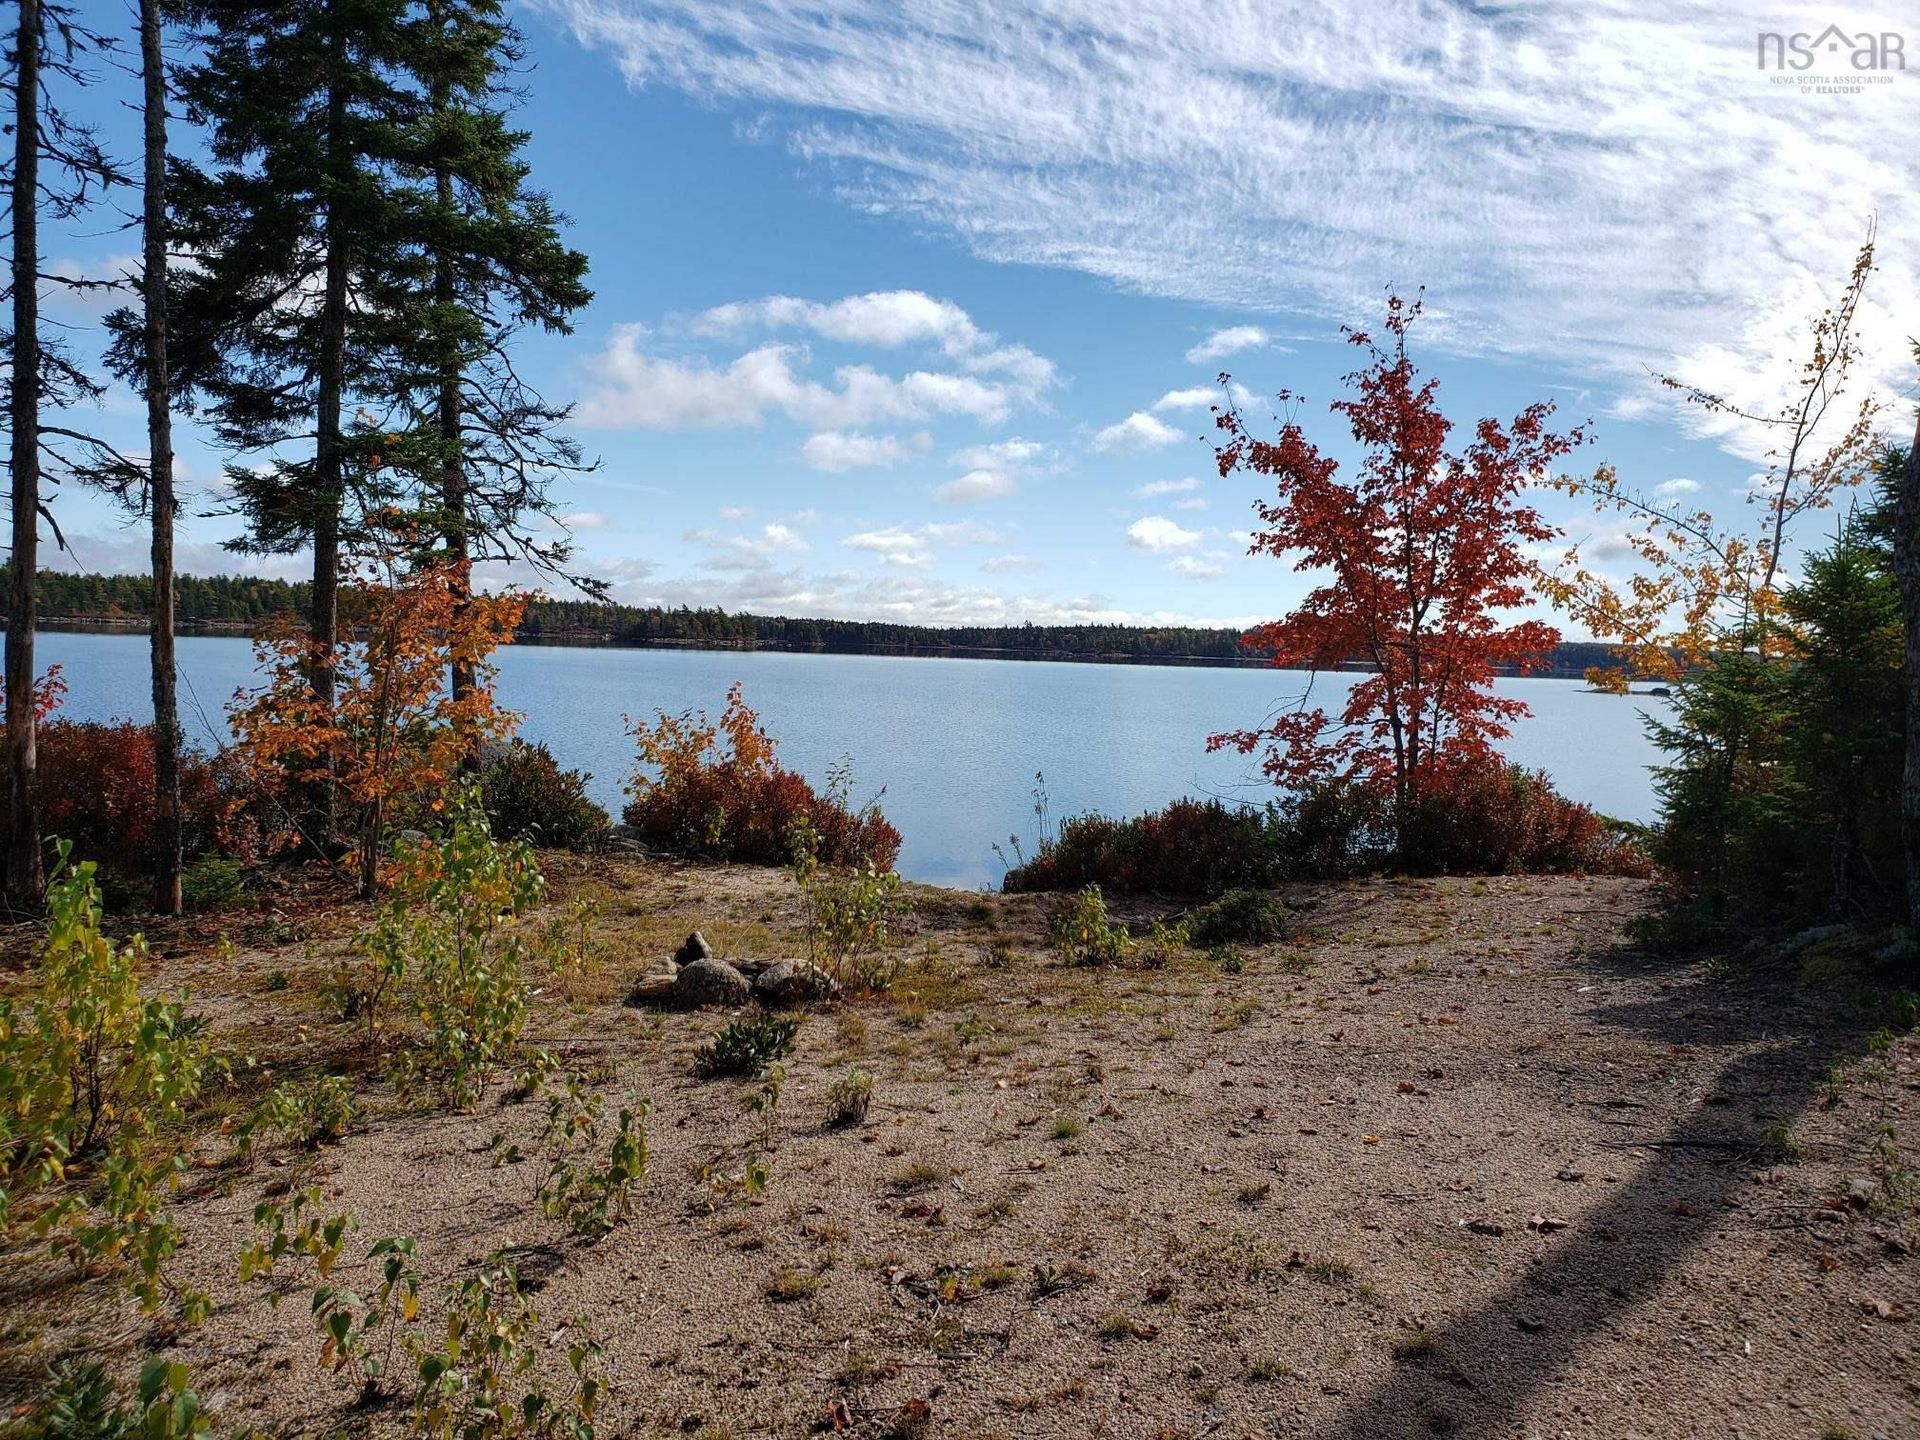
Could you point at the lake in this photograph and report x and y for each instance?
(955, 743)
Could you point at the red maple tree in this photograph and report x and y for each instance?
(1422, 548)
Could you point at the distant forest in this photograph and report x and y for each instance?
(236, 603)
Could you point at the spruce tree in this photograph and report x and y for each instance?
(484, 441)
(293, 225)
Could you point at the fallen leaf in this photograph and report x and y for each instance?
(1886, 1310)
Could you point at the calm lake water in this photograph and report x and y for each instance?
(955, 743)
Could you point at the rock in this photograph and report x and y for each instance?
(753, 969)
(652, 989)
(793, 982)
(710, 982)
(693, 948)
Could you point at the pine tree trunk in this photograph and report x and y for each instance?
(25, 877)
(323, 624)
(166, 701)
(453, 489)
(1906, 562)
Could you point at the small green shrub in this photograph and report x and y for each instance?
(95, 1082)
(293, 1229)
(1083, 935)
(447, 938)
(302, 1112)
(1240, 917)
(747, 1045)
(83, 1405)
(529, 797)
(849, 1097)
(213, 882)
(590, 1193)
(851, 901)
(477, 1381)
(349, 1326)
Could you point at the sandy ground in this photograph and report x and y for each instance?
(1457, 1160)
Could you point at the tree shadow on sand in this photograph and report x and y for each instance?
(1477, 1374)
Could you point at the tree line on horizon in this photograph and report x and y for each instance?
(245, 601)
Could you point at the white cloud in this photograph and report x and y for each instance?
(992, 470)
(1197, 397)
(1193, 502)
(583, 520)
(914, 546)
(1198, 567)
(1575, 181)
(1156, 534)
(889, 319)
(1230, 341)
(975, 486)
(749, 552)
(735, 512)
(837, 450)
(908, 596)
(1000, 455)
(635, 389)
(1184, 486)
(1139, 431)
(1679, 485)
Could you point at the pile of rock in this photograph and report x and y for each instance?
(696, 978)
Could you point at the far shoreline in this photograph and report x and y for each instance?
(135, 625)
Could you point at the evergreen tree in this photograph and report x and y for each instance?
(483, 441)
(293, 226)
(1781, 795)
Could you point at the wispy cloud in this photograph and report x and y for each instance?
(1153, 488)
(1604, 185)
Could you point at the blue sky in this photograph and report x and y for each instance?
(907, 310)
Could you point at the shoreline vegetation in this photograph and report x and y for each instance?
(235, 605)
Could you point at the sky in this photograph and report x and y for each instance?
(914, 309)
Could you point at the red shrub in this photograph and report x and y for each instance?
(689, 799)
(1501, 819)
(95, 789)
(1193, 847)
